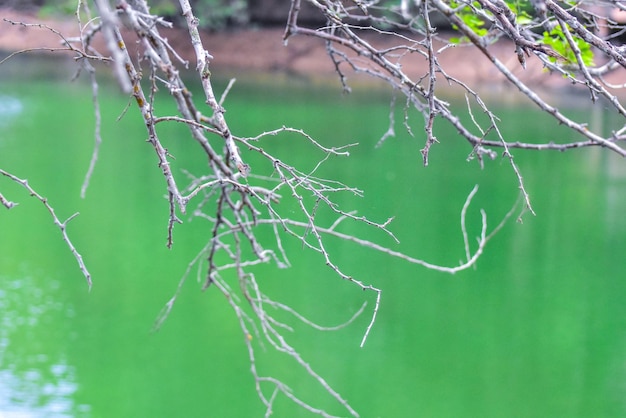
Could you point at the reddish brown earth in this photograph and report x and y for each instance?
(263, 50)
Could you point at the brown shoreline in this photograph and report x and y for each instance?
(263, 51)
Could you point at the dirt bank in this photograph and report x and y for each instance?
(251, 49)
(262, 50)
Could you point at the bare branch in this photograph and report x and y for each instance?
(61, 225)
(361, 37)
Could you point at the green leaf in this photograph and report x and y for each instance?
(557, 40)
(470, 18)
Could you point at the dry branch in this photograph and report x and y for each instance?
(238, 199)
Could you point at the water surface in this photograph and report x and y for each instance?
(537, 329)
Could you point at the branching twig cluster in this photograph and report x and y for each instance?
(240, 201)
(354, 29)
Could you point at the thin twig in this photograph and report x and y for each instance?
(62, 225)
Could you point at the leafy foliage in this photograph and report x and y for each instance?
(216, 14)
(470, 18)
(557, 39)
(58, 7)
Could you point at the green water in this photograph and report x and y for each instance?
(537, 329)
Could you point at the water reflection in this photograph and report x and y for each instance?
(10, 108)
(615, 172)
(35, 380)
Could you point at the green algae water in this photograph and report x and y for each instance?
(537, 329)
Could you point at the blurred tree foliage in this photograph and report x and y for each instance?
(57, 7)
(213, 14)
